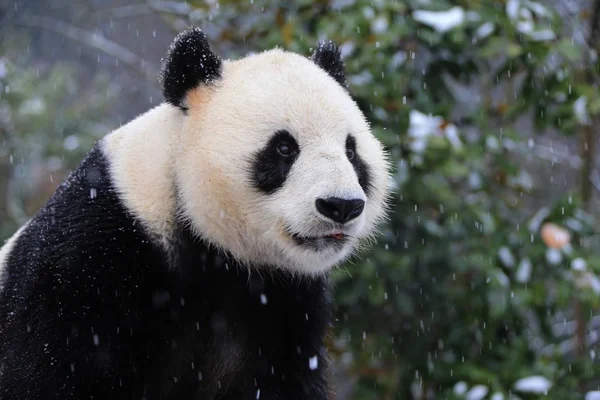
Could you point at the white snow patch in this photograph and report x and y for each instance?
(538, 218)
(580, 110)
(422, 126)
(553, 256)
(3, 69)
(593, 395)
(473, 16)
(33, 106)
(313, 362)
(379, 25)
(506, 257)
(484, 30)
(524, 14)
(588, 280)
(512, 9)
(477, 392)
(538, 9)
(460, 388)
(579, 264)
(524, 271)
(543, 35)
(441, 21)
(452, 135)
(497, 396)
(347, 48)
(398, 58)
(533, 384)
(492, 143)
(71, 142)
(502, 278)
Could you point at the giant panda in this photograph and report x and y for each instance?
(187, 256)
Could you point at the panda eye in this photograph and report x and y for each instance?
(350, 154)
(284, 149)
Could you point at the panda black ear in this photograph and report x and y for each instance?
(329, 57)
(189, 63)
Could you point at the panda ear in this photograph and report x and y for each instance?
(189, 63)
(329, 57)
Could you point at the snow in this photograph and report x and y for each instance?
(3, 69)
(441, 21)
(533, 384)
(422, 126)
(452, 135)
(506, 257)
(543, 35)
(497, 396)
(553, 256)
(347, 48)
(593, 395)
(71, 142)
(361, 79)
(524, 14)
(588, 280)
(475, 181)
(379, 25)
(580, 110)
(34, 106)
(512, 9)
(313, 362)
(502, 278)
(538, 9)
(537, 219)
(398, 58)
(460, 388)
(477, 392)
(579, 264)
(524, 271)
(484, 30)
(368, 13)
(263, 299)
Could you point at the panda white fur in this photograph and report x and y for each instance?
(187, 255)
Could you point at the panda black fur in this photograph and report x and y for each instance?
(180, 260)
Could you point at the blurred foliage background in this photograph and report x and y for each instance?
(485, 281)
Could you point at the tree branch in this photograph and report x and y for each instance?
(95, 40)
(129, 11)
(172, 7)
(136, 10)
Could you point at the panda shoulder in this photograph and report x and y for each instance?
(140, 159)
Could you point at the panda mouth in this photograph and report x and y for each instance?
(335, 239)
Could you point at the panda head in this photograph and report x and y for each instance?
(275, 163)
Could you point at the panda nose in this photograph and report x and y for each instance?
(340, 210)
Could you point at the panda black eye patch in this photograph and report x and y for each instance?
(360, 167)
(272, 164)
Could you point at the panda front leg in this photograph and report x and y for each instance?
(265, 382)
